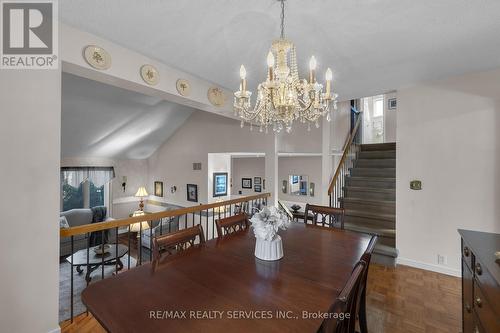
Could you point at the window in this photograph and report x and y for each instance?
(72, 197)
(378, 107)
(85, 187)
(96, 195)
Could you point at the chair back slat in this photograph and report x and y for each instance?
(232, 224)
(175, 242)
(330, 216)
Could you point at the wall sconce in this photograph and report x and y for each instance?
(284, 186)
(173, 189)
(124, 183)
(311, 189)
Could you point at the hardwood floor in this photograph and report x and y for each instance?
(402, 299)
(406, 299)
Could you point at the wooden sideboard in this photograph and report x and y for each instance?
(480, 282)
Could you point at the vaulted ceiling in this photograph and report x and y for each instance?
(99, 120)
(372, 46)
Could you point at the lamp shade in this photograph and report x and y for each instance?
(136, 227)
(141, 192)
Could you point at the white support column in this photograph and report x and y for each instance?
(271, 162)
(326, 160)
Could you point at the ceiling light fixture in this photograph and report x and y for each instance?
(284, 97)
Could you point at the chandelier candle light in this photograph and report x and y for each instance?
(284, 97)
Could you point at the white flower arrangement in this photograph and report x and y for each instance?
(267, 222)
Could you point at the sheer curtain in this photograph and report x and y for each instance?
(99, 176)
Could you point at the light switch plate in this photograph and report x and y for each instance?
(416, 185)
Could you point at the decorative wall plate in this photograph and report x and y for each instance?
(150, 74)
(183, 87)
(97, 57)
(216, 96)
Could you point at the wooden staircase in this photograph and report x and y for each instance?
(369, 198)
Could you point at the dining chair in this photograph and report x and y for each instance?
(336, 324)
(330, 216)
(342, 314)
(361, 301)
(176, 242)
(232, 224)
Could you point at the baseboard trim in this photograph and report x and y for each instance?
(429, 267)
(123, 200)
(55, 330)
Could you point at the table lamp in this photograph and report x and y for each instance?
(138, 226)
(141, 193)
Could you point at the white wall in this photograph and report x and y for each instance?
(202, 133)
(448, 137)
(247, 167)
(29, 242)
(390, 119)
(340, 125)
(300, 140)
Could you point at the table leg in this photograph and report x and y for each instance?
(120, 264)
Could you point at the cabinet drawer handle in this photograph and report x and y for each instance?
(467, 307)
(466, 251)
(479, 302)
(479, 270)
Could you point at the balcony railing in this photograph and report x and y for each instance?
(133, 237)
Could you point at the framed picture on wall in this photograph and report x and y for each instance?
(220, 184)
(257, 188)
(192, 192)
(158, 189)
(246, 182)
(392, 104)
(257, 180)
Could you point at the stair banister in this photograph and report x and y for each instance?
(338, 180)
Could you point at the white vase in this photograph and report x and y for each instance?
(269, 250)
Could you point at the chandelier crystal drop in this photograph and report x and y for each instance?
(283, 97)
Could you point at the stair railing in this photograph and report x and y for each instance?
(285, 210)
(337, 184)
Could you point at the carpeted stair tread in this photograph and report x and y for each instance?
(370, 215)
(370, 189)
(368, 229)
(377, 154)
(378, 146)
(367, 201)
(386, 250)
(373, 172)
(373, 179)
(376, 163)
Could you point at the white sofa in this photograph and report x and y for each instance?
(77, 217)
(167, 225)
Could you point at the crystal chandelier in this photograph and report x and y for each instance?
(284, 97)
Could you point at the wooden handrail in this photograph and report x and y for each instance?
(285, 208)
(86, 228)
(351, 137)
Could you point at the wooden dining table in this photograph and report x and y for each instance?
(222, 287)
